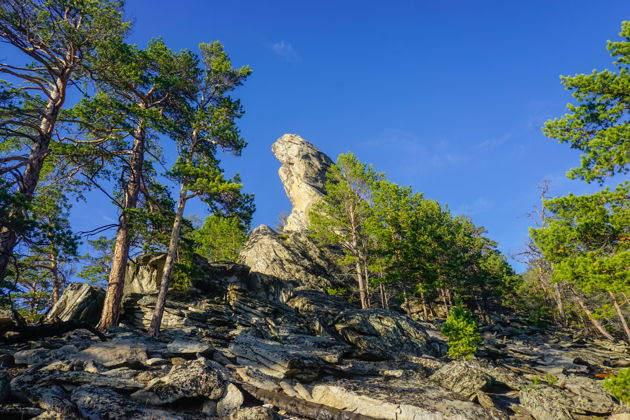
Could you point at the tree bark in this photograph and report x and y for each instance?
(113, 296)
(559, 303)
(425, 312)
(167, 272)
(30, 178)
(54, 269)
(357, 256)
(362, 295)
(383, 294)
(620, 314)
(366, 279)
(598, 326)
(444, 300)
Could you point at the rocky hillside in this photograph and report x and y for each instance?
(262, 340)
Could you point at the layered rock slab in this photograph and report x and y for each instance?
(80, 302)
(409, 398)
(292, 257)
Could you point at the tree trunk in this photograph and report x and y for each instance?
(444, 301)
(620, 314)
(590, 316)
(425, 312)
(28, 181)
(167, 272)
(381, 289)
(559, 303)
(54, 269)
(449, 296)
(357, 255)
(113, 296)
(366, 278)
(362, 295)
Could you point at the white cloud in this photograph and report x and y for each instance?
(285, 50)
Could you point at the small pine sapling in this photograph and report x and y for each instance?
(462, 333)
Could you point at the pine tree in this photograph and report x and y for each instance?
(136, 91)
(205, 122)
(59, 37)
(220, 238)
(598, 125)
(340, 217)
(586, 239)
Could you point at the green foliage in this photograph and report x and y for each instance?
(404, 242)
(461, 330)
(531, 299)
(550, 379)
(220, 238)
(42, 261)
(339, 291)
(586, 239)
(339, 218)
(598, 125)
(97, 262)
(619, 385)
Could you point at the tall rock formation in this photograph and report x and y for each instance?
(303, 175)
(293, 256)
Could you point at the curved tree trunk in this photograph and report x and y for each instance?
(113, 296)
(598, 326)
(621, 316)
(167, 273)
(36, 157)
(559, 303)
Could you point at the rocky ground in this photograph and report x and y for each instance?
(262, 340)
(245, 348)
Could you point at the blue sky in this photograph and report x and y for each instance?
(447, 97)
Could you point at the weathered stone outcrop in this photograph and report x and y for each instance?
(292, 257)
(466, 377)
(305, 361)
(144, 276)
(303, 175)
(187, 380)
(410, 398)
(379, 334)
(80, 302)
(94, 402)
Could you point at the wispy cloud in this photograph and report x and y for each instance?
(480, 205)
(495, 141)
(413, 155)
(285, 50)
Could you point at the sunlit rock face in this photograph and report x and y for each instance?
(291, 255)
(303, 175)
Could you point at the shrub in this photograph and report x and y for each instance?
(462, 332)
(619, 385)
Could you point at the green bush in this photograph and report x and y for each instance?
(619, 385)
(462, 332)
